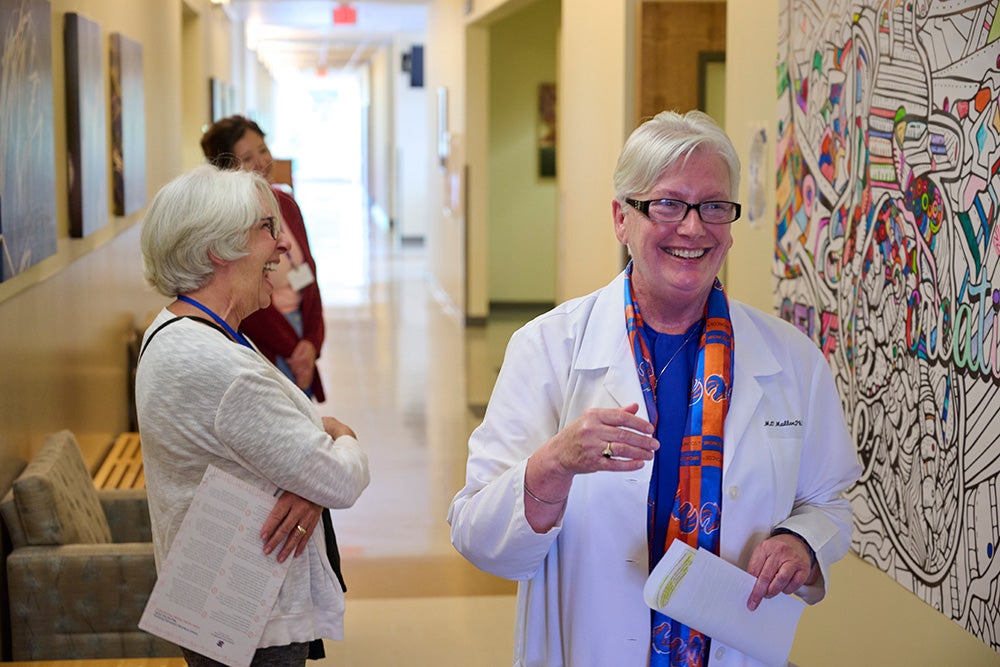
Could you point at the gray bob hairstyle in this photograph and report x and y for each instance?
(203, 211)
(666, 139)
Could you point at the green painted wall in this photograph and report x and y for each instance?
(522, 205)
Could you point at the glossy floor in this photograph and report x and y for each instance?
(396, 368)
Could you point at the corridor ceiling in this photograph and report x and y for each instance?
(302, 35)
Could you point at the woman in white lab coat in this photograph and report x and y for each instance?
(652, 410)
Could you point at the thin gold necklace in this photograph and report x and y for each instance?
(676, 352)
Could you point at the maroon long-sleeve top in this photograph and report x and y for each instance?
(268, 328)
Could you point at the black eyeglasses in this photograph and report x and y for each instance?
(272, 226)
(675, 210)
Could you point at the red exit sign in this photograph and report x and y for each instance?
(345, 15)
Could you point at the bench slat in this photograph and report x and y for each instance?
(122, 468)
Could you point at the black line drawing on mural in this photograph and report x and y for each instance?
(887, 250)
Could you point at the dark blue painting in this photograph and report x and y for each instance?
(27, 170)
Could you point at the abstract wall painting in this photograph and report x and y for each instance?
(887, 253)
(27, 144)
(546, 130)
(128, 125)
(86, 127)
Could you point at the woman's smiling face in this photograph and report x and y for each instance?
(675, 263)
(252, 271)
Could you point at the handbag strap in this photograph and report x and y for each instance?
(157, 330)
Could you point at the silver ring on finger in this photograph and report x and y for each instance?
(607, 453)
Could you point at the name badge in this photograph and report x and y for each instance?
(301, 276)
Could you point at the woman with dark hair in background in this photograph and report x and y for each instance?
(290, 331)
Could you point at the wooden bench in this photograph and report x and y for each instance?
(122, 468)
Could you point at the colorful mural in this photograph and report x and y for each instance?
(887, 253)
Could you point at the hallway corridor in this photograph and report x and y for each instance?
(395, 367)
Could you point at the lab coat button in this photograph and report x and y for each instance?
(720, 653)
(734, 492)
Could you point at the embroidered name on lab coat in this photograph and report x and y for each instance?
(782, 423)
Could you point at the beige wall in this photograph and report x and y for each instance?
(445, 68)
(194, 101)
(596, 113)
(752, 80)
(595, 56)
(65, 320)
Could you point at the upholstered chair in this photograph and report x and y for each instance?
(81, 568)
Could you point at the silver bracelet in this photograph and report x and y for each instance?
(544, 502)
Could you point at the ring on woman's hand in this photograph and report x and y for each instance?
(301, 530)
(607, 453)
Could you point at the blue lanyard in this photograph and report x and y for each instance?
(237, 336)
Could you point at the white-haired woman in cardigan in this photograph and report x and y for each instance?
(205, 395)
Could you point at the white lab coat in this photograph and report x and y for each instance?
(787, 459)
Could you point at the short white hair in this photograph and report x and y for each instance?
(203, 211)
(667, 139)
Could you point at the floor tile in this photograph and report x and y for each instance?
(403, 371)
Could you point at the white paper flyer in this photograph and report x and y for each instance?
(709, 594)
(216, 587)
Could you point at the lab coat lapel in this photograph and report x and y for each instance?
(622, 381)
(754, 359)
(605, 345)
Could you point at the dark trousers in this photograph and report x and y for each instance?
(290, 655)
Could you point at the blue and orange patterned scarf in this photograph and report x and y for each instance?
(697, 505)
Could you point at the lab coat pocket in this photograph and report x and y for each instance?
(786, 455)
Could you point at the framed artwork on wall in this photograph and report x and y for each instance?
(27, 143)
(128, 125)
(86, 129)
(546, 130)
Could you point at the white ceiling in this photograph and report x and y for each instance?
(301, 34)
